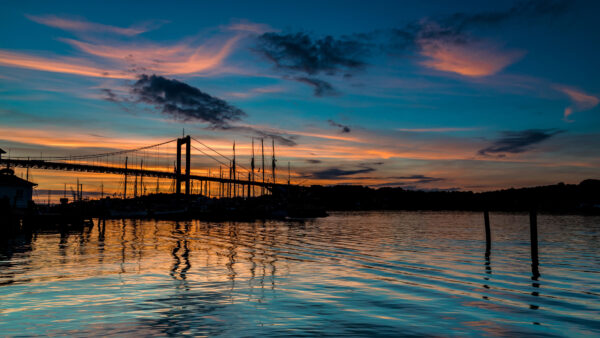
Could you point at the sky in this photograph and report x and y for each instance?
(461, 95)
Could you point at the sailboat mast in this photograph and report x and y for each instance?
(252, 167)
(233, 171)
(262, 147)
(273, 162)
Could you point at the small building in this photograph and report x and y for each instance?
(18, 191)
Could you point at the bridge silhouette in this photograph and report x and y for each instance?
(112, 163)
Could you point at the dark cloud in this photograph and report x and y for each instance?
(405, 186)
(184, 101)
(336, 173)
(287, 140)
(110, 96)
(121, 101)
(370, 163)
(301, 53)
(321, 88)
(313, 161)
(456, 27)
(518, 141)
(418, 179)
(412, 182)
(530, 9)
(343, 128)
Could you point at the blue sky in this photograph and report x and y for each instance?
(430, 95)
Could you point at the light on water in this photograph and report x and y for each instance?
(376, 273)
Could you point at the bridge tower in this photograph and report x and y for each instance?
(181, 141)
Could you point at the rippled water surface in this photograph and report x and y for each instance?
(360, 274)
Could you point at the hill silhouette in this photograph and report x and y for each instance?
(559, 198)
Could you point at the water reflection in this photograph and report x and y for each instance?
(180, 232)
(352, 273)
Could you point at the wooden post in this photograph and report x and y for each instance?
(534, 242)
(488, 236)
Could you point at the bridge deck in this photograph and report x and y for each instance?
(40, 164)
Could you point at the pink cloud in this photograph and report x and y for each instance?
(257, 91)
(581, 101)
(115, 59)
(125, 61)
(178, 59)
(473, 60)
(78, 25)
(250, 27)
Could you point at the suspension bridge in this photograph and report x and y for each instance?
(156, 161)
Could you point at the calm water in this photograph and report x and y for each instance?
(380, 273)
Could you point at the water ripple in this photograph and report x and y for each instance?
(359, 274)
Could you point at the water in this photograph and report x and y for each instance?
(359, 274)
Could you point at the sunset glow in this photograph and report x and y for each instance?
(447, 96)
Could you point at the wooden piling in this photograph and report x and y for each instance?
(488, 236)
(533, 234)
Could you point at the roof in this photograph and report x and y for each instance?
(2, 151)
(7, 180)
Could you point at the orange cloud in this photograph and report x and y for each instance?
(473, 60)
(178, 59)
(124, 61)
(444, 153)
(63, 65)
(581, 101)
(86, 26)
(50, 137)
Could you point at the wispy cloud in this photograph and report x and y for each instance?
(337, 173)
(75, 66)
(184, 58)
(116, 59)
(515, 142)
(525, 9)
(321, 88)
(450, 42)
(410, 182)
(343, 128)
(81, 25)
(53, 136)
(257, 91)
(473, 60)
(434, 130)
(581, 101)
(250, 27)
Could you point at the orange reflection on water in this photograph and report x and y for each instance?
(380, 272)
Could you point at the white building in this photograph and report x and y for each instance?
(17, 190)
